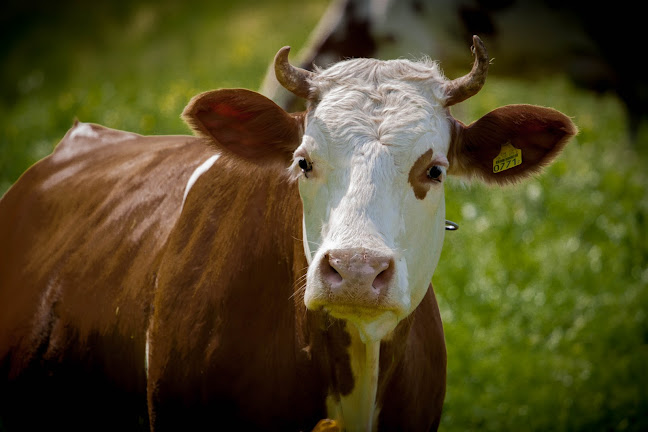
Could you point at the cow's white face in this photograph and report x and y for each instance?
(372, 164)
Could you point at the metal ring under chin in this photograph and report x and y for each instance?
(451, 226)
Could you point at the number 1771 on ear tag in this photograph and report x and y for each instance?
(507, 158)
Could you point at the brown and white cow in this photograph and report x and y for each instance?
(269, 273)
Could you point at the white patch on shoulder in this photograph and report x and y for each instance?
(83, 130)
(147, 346)
(147, 351)
(202, 169)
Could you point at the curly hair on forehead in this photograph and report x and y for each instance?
(379, 101)
(372, 72)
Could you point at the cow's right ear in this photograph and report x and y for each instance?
(245, 123)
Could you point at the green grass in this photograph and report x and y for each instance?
(543, 290)
(133, 66)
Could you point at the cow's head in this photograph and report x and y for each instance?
(370, 156)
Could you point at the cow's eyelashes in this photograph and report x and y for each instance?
(435, 173)
(305, 165)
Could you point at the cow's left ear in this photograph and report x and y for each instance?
(245, 123)
(509, 143)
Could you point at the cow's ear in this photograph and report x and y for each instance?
(245, 123)
(509, 143)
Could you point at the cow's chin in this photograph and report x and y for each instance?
(372, 325)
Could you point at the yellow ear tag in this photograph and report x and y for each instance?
(507, 158)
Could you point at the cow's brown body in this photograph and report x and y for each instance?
(99, 253)
(82, 234)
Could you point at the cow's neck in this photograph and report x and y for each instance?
(358, 374)
(357, 410)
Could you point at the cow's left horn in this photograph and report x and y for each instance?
(460, 89)
(294, 79)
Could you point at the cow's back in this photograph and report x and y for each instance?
(81, 232)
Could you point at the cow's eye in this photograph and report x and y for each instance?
(305, 165)
(435, 173)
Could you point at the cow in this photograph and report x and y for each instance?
(268, 272)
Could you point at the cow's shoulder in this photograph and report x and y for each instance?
(95, 213)
(85, 137)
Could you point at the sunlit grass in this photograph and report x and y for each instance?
(138, 71)
(544, 288)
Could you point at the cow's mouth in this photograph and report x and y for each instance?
(373, 324)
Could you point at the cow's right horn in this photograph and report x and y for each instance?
(294, 79)
(460, 89)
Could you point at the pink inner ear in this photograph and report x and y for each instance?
(223, 119)
(245, 123)
(229, 111)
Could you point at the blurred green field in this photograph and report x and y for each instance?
(543, 290)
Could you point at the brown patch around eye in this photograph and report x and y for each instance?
(417, 175)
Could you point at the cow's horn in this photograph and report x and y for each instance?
(460, 89)
(294, 79)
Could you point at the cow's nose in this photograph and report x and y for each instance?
(356, 275)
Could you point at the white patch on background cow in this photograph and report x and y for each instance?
(202, 169)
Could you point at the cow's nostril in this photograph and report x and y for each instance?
(382, 280)
(379, 281)
(329, 272)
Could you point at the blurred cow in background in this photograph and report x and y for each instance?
(529, 39)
